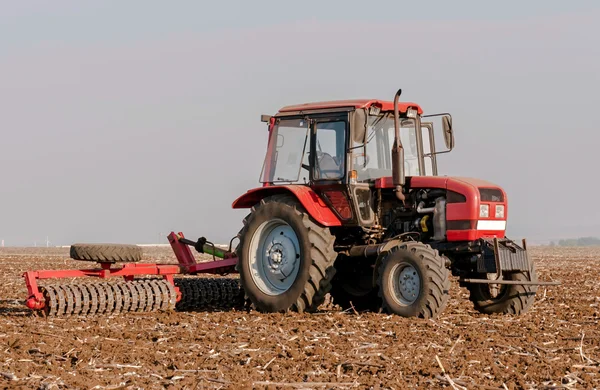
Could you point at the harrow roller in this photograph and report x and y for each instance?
(144, 295)
(199, 294)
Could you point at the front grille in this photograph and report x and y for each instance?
(455, 197)
(466, 224)
(491, 195)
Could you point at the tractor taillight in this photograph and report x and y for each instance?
(340, 203)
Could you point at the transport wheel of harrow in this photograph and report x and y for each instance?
(414, 281)
(106, 252)
(285, 258)
(504, 298)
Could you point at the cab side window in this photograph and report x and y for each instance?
(330, 150)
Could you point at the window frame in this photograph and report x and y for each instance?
(313, 149)
(272, 153)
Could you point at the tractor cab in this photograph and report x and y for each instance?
(342, 149)
(347, 136)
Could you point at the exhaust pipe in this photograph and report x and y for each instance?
(397, 153)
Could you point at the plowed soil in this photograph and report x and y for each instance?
(555, 345)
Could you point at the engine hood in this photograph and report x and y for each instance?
(449, 182)
(463, 185)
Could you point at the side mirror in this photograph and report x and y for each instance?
(265, 118)
(280, 141)
(448, 133)
(359, 126)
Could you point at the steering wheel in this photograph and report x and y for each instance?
(320, 156)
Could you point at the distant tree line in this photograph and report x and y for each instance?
(581, 241)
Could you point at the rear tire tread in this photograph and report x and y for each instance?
(106, 252)
(322, 254)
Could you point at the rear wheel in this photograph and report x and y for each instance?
(285, 258)
(414, 281)
(504, 298)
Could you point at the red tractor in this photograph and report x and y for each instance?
(351, 205)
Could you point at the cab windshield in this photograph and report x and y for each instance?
(287, 152)
(377, 162)
(287, 159)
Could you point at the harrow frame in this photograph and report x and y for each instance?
(187, 264)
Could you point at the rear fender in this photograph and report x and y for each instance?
(312, 203)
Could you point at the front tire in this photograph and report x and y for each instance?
(509, 299)
(414, 281)
(285, 258)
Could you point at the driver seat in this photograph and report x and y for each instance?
(328, 168)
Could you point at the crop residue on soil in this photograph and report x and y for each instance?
(556, 344)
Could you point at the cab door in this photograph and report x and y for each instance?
(329, 162)
(361, 193)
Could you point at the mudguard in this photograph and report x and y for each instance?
(312, 203)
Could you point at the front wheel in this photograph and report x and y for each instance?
(414, 281)
(504, 298)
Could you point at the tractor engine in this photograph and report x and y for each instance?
(423, 214)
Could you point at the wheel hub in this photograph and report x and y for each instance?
(274, 257)
(407, 284)
(281, 257)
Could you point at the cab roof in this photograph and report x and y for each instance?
(355, 103)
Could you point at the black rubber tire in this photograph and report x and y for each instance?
(512, 299)
(206, 294)
(317, 256)
(112, 253)
(434, 280)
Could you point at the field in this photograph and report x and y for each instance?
(555, 345)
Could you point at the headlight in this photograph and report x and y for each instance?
(484, 211)
(499, 211)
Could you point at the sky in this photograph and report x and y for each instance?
(123, 121)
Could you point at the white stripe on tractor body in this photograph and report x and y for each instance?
(491, 225)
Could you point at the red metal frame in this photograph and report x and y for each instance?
(357, 103)
(187, 264)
